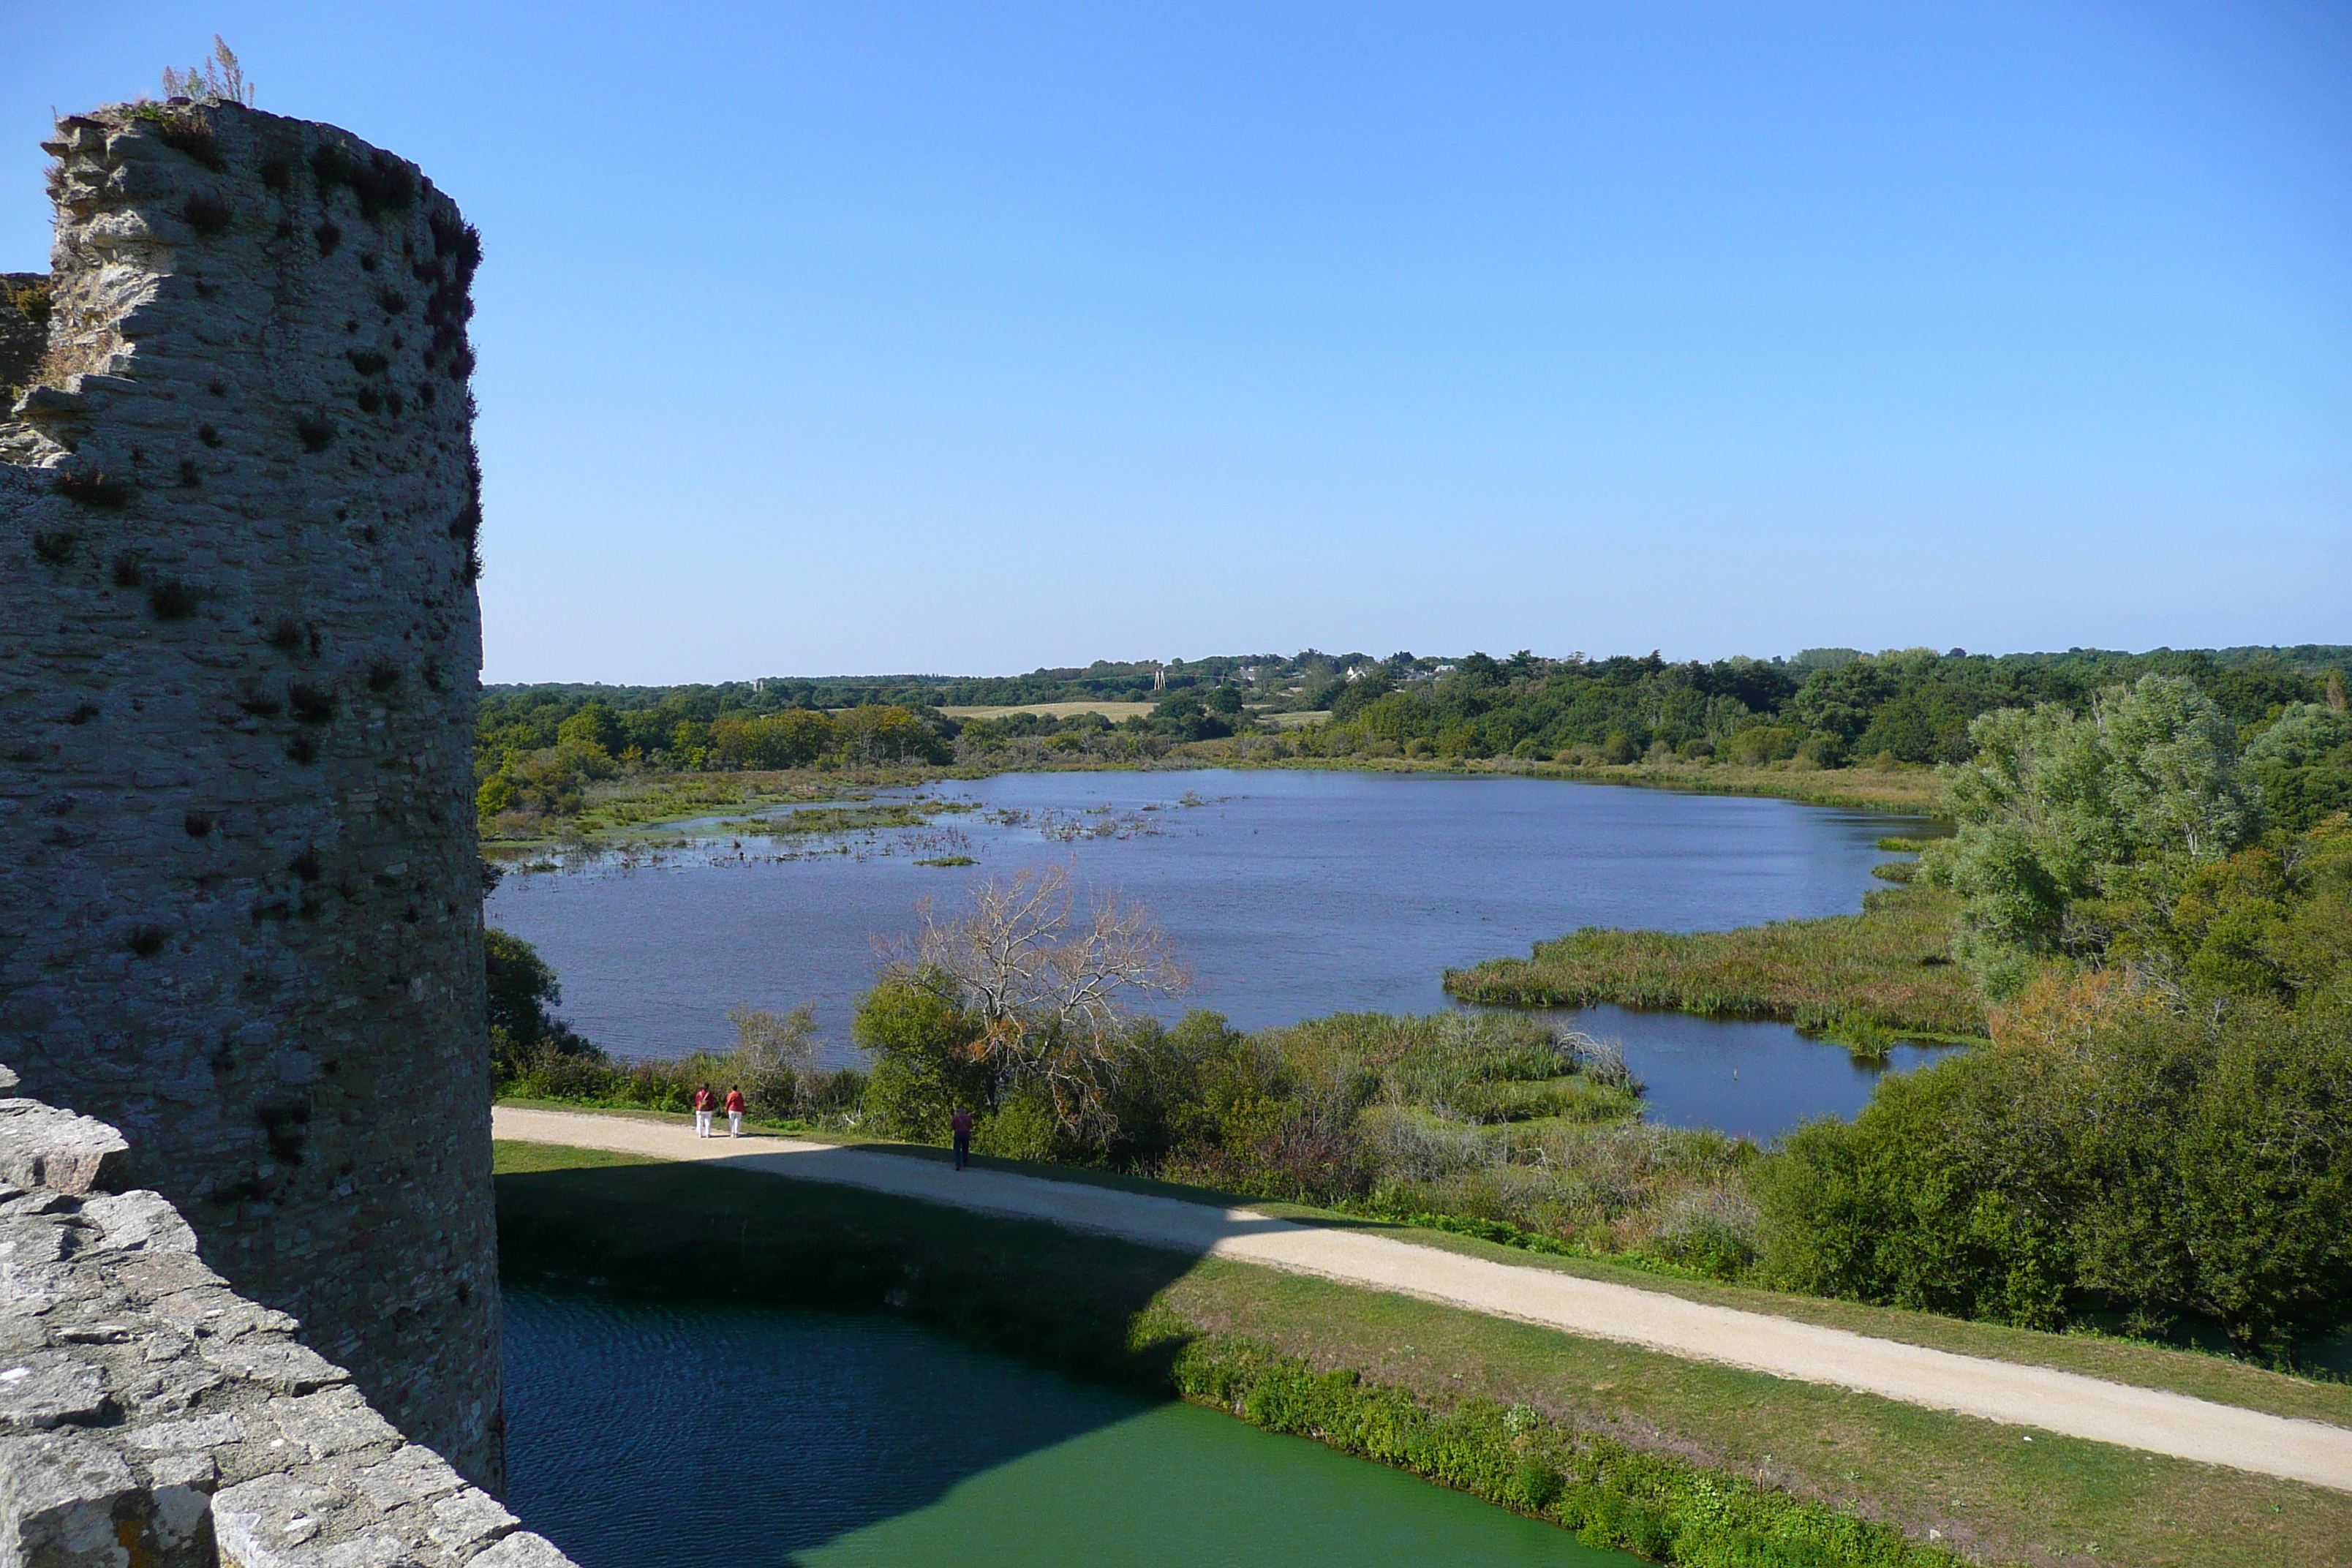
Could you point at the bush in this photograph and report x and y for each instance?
(2104, 1156)
(1762, 743)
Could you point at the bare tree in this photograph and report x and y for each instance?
(1045, 983)
(771, 1053)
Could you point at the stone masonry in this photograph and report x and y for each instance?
(149, 1417)
(239, 891)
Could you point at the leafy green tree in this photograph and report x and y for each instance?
(523, 991)
(595, 727)
(926, 1060)
(2058, 808)
(2302, 763)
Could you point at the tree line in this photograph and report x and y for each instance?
(1913, 706)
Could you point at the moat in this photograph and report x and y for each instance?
(647, 1436)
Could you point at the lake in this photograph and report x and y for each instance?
(658, 1436)
(1291, 894)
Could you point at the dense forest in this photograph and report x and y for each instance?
(539, 747)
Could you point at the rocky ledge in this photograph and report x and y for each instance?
(150, 1417)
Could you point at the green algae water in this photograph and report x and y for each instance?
(659, 1436)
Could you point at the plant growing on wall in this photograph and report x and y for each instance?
(220, 79)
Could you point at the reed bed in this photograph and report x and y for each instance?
(1885, 970)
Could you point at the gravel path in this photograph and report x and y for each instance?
(2061, 1402)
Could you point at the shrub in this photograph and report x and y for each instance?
(2104, 1155)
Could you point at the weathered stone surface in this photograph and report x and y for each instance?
(59, 1495)
(239, 892)
(150, 1416)
(40, 1147)
(48, 1389)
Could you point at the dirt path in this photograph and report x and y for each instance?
(2061, 1402)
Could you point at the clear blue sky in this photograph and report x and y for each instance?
(873, 337)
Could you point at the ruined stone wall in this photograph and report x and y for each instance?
(149, 1417)
(24, 329)
(239, 892)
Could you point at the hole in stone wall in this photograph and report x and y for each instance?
(56, 549)
(369, 399)
(147, 940)
(172, 600)
(303, 750)
(206, 434)
(83, 713)
(382, 676)
(262, 707)
(367, 362)
(311, 704)
(91, 486)
(198, 823)
(277, 172)
(393, 301)
(306, 865)
(329, 237)
(208, 213)
(286, 1125)
(126, 569)
(317, 431)
(189, 478)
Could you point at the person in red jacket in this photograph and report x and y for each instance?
(734, 1111)
(960, 1125)
(704, 1103)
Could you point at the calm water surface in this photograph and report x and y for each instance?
(660, 1436)
(1291, 895)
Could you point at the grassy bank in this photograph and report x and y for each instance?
(1886, 970)
(1609, 1438)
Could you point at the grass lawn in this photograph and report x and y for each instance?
(1888, 969)
(1067, 1298)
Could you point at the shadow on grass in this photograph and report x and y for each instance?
(655, 1241)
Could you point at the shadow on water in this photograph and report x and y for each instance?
(803, 1373)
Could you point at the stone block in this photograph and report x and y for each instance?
(44, 1147)
(278, 1364)
(64, 1498)
(51, 1388)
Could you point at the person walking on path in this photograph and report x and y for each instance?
(960, 1125)
(704, 1102)
(734, 1111)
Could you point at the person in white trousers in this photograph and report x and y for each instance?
(734, 1111)
(704, 1103)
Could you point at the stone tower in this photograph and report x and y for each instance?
(239, 894)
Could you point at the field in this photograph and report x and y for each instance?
(1114, 712)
